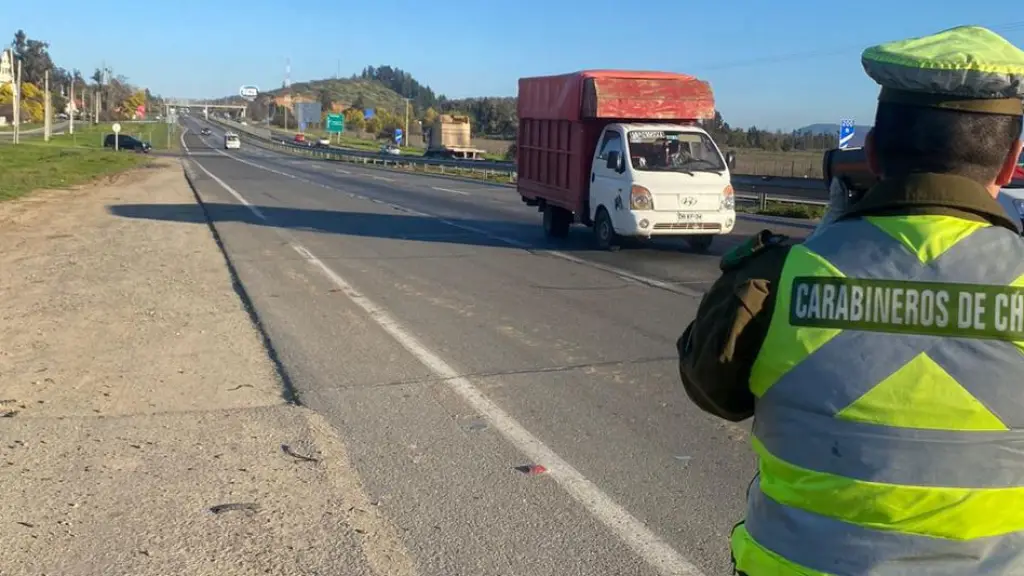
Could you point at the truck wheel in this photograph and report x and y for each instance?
(604, 231)
(556, 221)
(700, 243)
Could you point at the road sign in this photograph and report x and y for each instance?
(302, 127)
(846, 131)
(398, 135)
(249, 92)
(116, 128)
(335, 123)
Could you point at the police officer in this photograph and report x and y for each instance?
(883, 357)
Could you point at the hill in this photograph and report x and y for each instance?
(337, 94)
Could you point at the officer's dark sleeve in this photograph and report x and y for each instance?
(718, 348)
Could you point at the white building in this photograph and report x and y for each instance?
(6, 66)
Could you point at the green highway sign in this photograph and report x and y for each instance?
(335, 123)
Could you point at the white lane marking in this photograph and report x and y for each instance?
(450, 190)
(621, 273)
(644, 542)
(339, 170)
(383, 178)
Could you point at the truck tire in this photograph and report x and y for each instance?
(700, 243)
(556, 221)
(604, 231)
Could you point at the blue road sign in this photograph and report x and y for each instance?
(368, 113)
(398, 134)
(846, 130)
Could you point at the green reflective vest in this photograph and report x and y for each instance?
(890, 415)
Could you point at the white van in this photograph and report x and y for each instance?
(661, 180)
(231, 141)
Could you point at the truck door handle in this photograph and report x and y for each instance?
(592, 176)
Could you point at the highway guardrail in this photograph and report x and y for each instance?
(756, 189)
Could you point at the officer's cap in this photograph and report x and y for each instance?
(968, 68)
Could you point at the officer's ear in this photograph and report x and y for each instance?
(1009, 164)
(869, 153)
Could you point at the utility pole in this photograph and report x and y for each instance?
(72, 110)
(407, 101)
(17, 105)
(46, 106)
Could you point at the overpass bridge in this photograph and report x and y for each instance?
(172, 105)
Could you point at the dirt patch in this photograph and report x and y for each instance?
(142, 424)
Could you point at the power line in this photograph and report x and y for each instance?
(780, 58)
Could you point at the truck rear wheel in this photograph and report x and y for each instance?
(556, 221)
(701, 243)
(604, 231)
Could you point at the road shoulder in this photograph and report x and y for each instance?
(140, 400)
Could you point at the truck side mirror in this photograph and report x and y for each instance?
(730, 160)
(614, 160)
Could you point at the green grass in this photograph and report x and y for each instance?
(33, 166)
(92, 135)
(73, 159)
(785, 210)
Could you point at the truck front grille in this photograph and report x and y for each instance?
(688, 226)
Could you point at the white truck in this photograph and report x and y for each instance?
(622, 152)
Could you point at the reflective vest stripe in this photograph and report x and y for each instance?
(853, 549)
(957, 513)
(922, 439)
(899, 456)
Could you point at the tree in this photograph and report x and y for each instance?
(128, 107)
(326, 101)
(34, 56)
(373, 125)
(354, 120)
(359, 104)
(429, 116)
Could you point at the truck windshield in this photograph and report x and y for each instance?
(673, 151)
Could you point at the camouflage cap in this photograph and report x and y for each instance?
(968, 68)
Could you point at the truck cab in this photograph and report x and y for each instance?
(660, 179)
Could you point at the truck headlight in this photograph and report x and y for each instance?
(640, 198)
(728, 198)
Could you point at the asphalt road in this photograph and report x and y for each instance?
(449, 343)
(56, 128)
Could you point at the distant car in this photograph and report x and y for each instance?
(300, 139)
(323, 143)
(206, 132)
(125, 142)
(231, 141)
(391, 149)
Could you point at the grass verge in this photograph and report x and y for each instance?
(161, 135)
(27, 167)
(785, 210)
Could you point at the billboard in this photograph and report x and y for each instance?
(307, 112)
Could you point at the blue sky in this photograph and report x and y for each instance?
(772, 64)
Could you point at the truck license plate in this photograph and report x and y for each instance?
(688, 217)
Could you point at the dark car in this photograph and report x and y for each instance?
(125, 142)
(205, 132)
